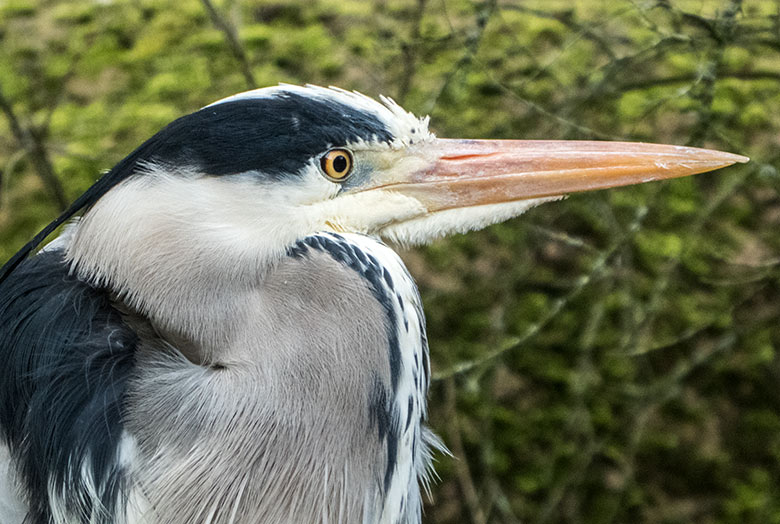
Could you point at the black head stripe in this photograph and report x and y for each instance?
(276, 136)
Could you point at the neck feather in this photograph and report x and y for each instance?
(183, 250)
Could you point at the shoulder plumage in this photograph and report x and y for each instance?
(67, 356)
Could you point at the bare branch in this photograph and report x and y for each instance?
(646, 83)
(235, 44)
(471, 45)
(465, 479)
(32, 143)
(409, 51)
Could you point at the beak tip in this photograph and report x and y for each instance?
(718, 159)
(727, 159)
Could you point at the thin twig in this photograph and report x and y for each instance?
(409, 50)
(471, 46)
(233, 41)
(32, 142)
(461, 464)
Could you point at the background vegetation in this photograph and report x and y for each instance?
(610, 358)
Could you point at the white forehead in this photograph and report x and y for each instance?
(405, 127)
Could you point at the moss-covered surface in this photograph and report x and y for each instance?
(609, 358)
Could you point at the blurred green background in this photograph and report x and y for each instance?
(607, 359)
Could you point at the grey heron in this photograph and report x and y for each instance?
(223, 337)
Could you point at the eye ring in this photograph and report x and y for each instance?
(336, 164)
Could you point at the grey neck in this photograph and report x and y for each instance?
(283, 416)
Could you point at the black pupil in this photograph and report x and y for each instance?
(340, 164)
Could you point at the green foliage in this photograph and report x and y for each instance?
(609, 358)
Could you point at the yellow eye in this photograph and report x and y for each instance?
(336, 164)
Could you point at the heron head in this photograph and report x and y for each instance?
(224, 192)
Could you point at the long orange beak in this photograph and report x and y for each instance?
(461, 173)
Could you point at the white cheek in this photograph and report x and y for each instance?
(427, 228)
(368, 212)
(312, 188)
